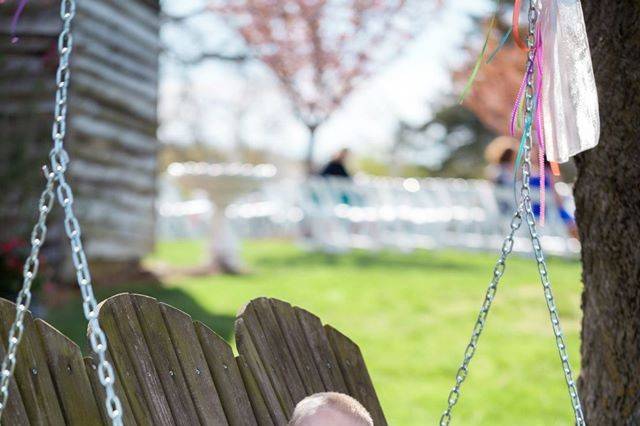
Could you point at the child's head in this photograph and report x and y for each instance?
(330, 409)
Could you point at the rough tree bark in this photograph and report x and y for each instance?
(607, 194)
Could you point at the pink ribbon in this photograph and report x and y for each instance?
(537, 67)
(539, 124)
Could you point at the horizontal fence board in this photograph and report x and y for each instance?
(113, 55)
(114, 77)
(88, 85)
(122, 25)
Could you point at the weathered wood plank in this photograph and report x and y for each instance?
(108, 248)
(146, 90)
(275, 393)
(298, 347)
(95, 108)
(88, 85)
(226, 376)
(323, 356)
(143, 14)
(141, 182)
(202, 388)
(133, 362)
(355, 374)
(101, 33)
(260, 409)
(103, 52)
(32, 371)
(122, 25)
(126, 137)
(15, 412)
(164, 358)
(70, 377)
(100, 395)
(29, 25)
(277, 345)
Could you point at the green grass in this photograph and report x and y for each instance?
(411, 315)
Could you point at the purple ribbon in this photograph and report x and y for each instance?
(16, 17)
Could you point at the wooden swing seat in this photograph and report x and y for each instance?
(174, 371)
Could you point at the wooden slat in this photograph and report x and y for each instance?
(123, 136)
(104, 52)
(163, 355)
(298, 347)
(227, 378)
(194, 366)
(15, 412)
(41, 25)
(97, 109)
(272, 388)
(124, 27)
(87, 85)
(143, 14)
(146, 90)
(70, 377)
(100, 394)
(323, 356)
(260, 409)
(101, 33)
(355, 374)
(277, 344)
(134, 363)
(32, 371)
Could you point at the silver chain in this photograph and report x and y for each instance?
(524, 209)
(23, 301)
(59, 162)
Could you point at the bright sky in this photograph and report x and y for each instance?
(248, 105)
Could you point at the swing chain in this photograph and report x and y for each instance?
(542, 265)
(524, 210)
(30, 270)
(498, 271)
(59, 159)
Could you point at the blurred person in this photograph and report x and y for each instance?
(330, 409)
(336, 167)
(501, 154)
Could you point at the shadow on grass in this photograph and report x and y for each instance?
(69, 318)
(361, 259)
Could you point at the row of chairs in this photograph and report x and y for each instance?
(371, 213)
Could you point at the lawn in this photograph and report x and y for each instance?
(412, 315)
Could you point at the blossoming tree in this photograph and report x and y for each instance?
(319, 50)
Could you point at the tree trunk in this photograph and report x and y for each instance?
(311, 149)
(607, 194)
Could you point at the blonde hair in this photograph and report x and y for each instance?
(337, 401)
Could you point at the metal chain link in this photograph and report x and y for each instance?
(524, 209)
(59, 162)
(30, 270)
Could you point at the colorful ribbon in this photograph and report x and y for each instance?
(534, 122)
(16, 18)
(479, 61)
(516, 26)
(539, 123)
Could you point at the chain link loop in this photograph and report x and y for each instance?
(38, 236)
(524, 212)
(59, 160)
